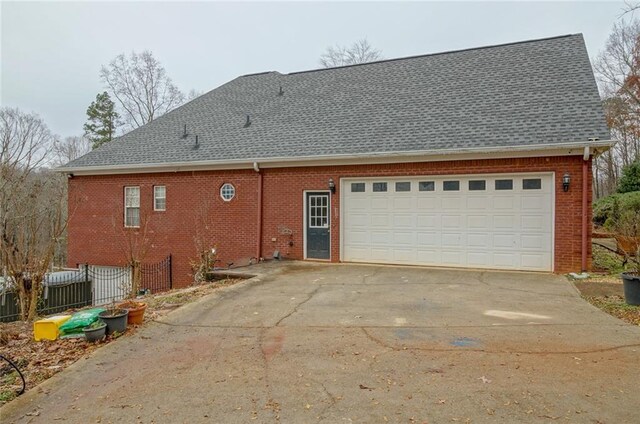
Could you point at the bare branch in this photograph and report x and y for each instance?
(141, 86)
(359, 52)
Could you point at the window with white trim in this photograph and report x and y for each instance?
(159, 198)
(132, 206)
(227, 192)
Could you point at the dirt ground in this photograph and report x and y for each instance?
(39, 361)
(606, 293)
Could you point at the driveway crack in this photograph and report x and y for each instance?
(295, 309)
(377, 341)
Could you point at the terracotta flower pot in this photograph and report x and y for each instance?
(136, 311)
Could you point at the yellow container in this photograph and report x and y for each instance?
(48, 328)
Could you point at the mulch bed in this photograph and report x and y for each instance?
(605, 292)
(39, 361)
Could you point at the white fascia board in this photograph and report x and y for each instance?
(557, 149)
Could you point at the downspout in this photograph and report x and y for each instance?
(585, 196)
(259, 230)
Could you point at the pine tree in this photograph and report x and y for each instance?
(102, 120)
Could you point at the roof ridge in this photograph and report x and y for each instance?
(436, 54)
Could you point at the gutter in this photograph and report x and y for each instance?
(259, 223)
(343, 159)
(585, 211)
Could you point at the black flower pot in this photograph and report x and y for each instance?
(116, 320)
(95, 334)
(631, 284)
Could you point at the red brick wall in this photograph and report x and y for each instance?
(194, 206)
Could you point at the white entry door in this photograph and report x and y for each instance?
(479, 221)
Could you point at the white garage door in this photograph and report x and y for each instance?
(480, 221)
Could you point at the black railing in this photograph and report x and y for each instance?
(88, 285)
(156, 277)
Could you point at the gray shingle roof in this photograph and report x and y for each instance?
(521, 94)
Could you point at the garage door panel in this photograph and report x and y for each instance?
(426, 256)
(406, 238)
(534, 223)
(404, 221)
(358, 237)
(475, 240)
(378, 203)
(359, 220)
(451, 221)
(504, 224)
(503, 202)
(451, 203)
(428, 239)
(532, 203)
(478, 258)
(427, 221)
(404, 255)
(403, 203)
(532, 241)
(505, 260)
(452, 239)
(429, 202)
(452, 257)
(477, 202)
(532, 260)
(380, 254)
(504, 241)
(478, 222)
(380, 237)
(380, 220)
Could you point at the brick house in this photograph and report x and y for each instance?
(476, 158)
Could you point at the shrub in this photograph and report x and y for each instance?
(630, 180)
(610, 207)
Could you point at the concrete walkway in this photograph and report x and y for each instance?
(309, 342)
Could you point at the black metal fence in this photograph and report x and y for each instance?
(156, 277)
(88, 285)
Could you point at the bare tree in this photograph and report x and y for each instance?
(32, 205)
(70, 148)
(141, 86)
(618, 71)
(193, 94)
(359, 52)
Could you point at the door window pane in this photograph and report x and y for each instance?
(379, 187)
(504, 184)
(403, 186)
(475, 185)
(531, 184)
(357, 187)
(426, 186)
(451, 185)
(318, 211)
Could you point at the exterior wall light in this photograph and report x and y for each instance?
(566, 180)
(332, 186)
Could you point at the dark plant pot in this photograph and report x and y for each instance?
(631, 284)
(95, 334)
(116, 322)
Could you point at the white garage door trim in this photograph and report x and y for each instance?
(548, 181)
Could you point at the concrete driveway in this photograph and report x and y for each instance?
(309, 342)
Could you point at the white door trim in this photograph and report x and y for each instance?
(304, 223)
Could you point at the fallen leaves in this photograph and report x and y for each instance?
(39, 361)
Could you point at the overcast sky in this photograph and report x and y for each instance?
(52, 52)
